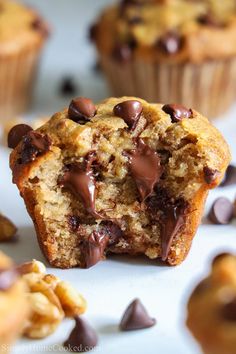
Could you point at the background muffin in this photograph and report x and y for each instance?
(174, 50)
(22, 35)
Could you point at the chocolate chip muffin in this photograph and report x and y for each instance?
(13, 304)
(212, 308)
(22, 35)
(170, 51)
(123, 176)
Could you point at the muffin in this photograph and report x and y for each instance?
(170, 51)
(122, 176)
(13, 304)
(212, 308)
(22, 35)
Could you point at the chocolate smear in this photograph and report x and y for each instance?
(222, 211)
(16, 134)
(79, 180)
(83, 337)
(130, 111)
(145, 167)
(8, 278)
(81, 110)
(34, 144)
(136, 317)
(177, 112)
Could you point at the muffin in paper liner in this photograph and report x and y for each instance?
(172, 52)
(23, 34)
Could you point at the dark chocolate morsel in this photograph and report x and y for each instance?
(39, 25)
(221, 212)
(83, 337)
(170, 43)
(94, 247)
(228, 311)
(177, 112)
(16, 134)
(81, 110)
(34, 144)
(209, 20)
(8, 278)
(145, 167)
(93, 29)
(136, 317)
(230, 176)
(210, 175)
(130, 111)
(112, 230)
(74, 222)
(79, 180)
(68, 86)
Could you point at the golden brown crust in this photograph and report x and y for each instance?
(191, 144)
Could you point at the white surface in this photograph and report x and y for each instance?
(112, 284)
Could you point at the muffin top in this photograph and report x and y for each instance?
(212, 307)
(168, 30)
(20, 27)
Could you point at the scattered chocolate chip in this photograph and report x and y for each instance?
(228, 312)
(8, 278)
(83, 337)
(112, 230)
(172, 218)
(210, 175)
(230, 176)
(74, 222)
(221, 211)
(81, 110)
(94, 247)
(34, 144)
(170, 43)
(136, 317)
(122, 53)
(145, 167)
(79, 180)
(68, 86)
(130, 111)
(16, 134)
(177, 112)
(39, 25)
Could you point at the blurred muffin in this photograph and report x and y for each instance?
(170, 51)
(13, 305)
(22, 35)
(212, 308)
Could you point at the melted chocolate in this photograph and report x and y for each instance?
(130, 111)
(145, 167)
(34, 144)
(94, 247)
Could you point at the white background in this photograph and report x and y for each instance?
(112, 284)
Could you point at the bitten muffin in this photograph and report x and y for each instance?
(170, 50)
(212, 308)
(13, 304)
(22, 35)
(124, 176)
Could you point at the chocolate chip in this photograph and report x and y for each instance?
(93, 32)
(39, 25)
(68, 86)
(16, 134)
(177, 112)
(79, 180)
(222, 211)
(74, 222)
(122, 53)
(230, 176)
(209, 20)
(82, 338)
(145, 168)
(94, 247)
(34, 144)
(81, 110)
(172, 218)
(8, 278)
(228, 312)
(170, 43)
(112, 230)
(130, 111)
(210, 175)
(136, 317)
